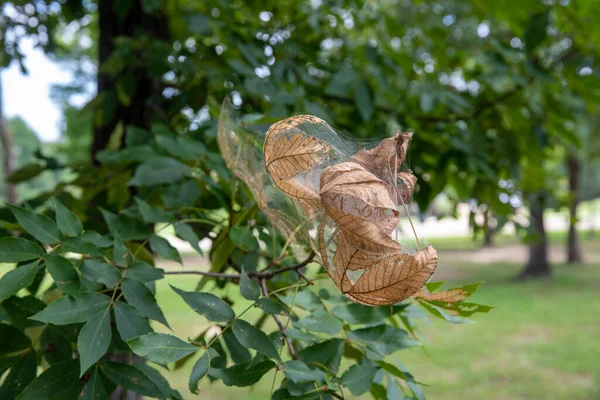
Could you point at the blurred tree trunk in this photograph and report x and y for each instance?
(573, 246)
(8, 154)
(538, 265)
(125, 19)
(488, 231)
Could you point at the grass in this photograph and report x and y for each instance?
(542, 341)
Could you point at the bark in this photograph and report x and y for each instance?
(488, 231)
(135, 23)
(8, 155)
(125, 19)
(538, 265)
(573, 247)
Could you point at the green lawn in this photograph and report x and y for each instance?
(542, 341)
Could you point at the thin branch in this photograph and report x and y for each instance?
(252, 274)
(265, 291)
(337, 396)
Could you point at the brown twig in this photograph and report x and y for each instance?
(265, 291)
(252, 274)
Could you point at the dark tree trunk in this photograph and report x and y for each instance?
(538, 265)
(573, 247)
(488, 231)
(126, 19)
(8, 155)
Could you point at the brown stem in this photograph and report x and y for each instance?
(252, 274)
(265, 291)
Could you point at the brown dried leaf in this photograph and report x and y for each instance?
(353, 190)
(408, 186)
(394, 278)
(384, 159)
(291, 156)
(357, 200)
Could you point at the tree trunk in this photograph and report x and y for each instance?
(538, 265)
(125, 19)
(488, 231)
(144, 87)
(573, 247)
(8, 155)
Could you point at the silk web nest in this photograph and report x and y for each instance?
(348, 203)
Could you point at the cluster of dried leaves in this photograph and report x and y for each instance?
(354, 200)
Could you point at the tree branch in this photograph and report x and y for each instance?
(252, 274)
(265, 291)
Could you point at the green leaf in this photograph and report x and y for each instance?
(19, 377)
(208, 305)
(159, 170)
(26, 173)
(159, 381)
(239, 353)
(97, 271)
(358, 314)
(19, 309)
(358, 379)
(363, 99)
(14, 250)
(80, 246)
(269, 306)
(68, 310)
(181, 194)
(382, 340)
(305, 337)
(161, 348)
(126, 228)
(67, 221)
(129, 378)
(140, 271)
(328, 353)
(143, 300)
(55, 347)
(306, 299)
(243, 375)
(395, 371)
(39, 226)
(248, 287)
(12, 340)
(200, 370)
(129, 321)
(64, 274)
(186, 232)
(253, 338)
(93, 389)
(17, 279)
(121, 255)
(536, 30)
(433, 286)
(152, 214)
(320, 321)
(163, 248)
(96, 239)
(243, 238)
(94, 339)
(60, 381)
(299, 372)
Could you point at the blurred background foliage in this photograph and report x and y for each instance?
(502, 97)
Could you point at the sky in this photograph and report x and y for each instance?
(28, 96)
